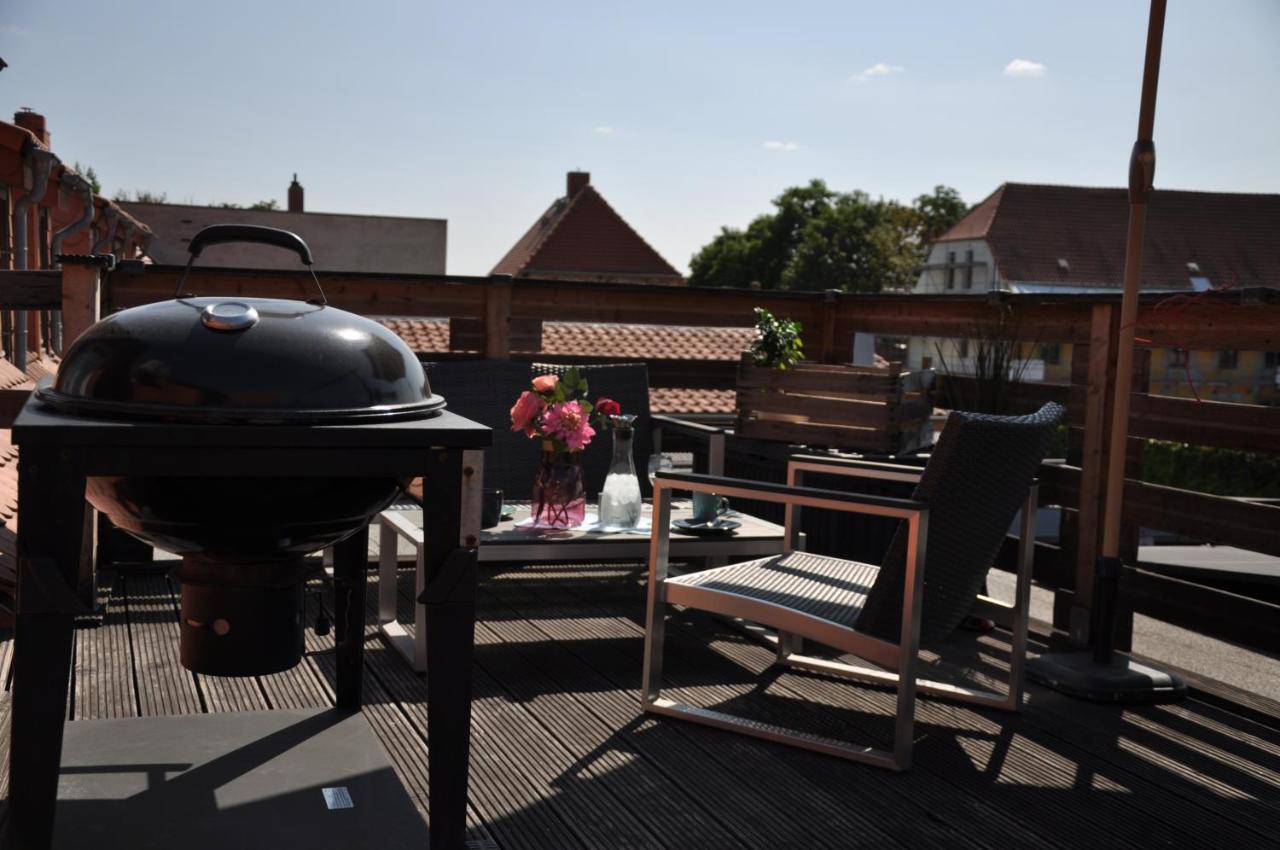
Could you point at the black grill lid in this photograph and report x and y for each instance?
(241, 360)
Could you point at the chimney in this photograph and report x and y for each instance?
(295, 195)
(578, 180)
(33, 121)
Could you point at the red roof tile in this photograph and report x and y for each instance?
(581, 234)
(1231, 237)
(674, 400)
(652, 342)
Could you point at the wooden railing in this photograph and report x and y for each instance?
(1246, 320)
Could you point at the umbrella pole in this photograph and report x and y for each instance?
(1102, 675)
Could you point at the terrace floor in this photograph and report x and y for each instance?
(562, 759)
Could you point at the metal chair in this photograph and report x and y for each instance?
(981, 471)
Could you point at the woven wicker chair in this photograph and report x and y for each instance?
(981, 471)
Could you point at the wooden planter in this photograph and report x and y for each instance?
(855, 408)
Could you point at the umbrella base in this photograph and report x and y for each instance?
(1123, 680)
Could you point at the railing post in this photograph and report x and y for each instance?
(1093, 464)
(497, 317)
(827, 350)
(81, 293)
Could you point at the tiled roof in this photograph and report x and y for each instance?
(661, 342)
(675, 400)
(8, 528)
(1230, 237)
(582, 234)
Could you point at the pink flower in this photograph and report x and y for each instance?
(524, 413)
(545, 383)
(566, 422)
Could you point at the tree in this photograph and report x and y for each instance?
(141, 196)
(269, 204)
(818, 238)
(90, 176)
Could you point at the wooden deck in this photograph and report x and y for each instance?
(562, 759)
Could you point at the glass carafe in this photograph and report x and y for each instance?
(620, 500)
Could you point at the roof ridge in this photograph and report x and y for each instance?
(553, 217)
(625, 224)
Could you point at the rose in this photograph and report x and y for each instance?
(545, 383)
(525, 412)
(606, 406)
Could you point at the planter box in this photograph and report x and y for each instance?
(855, 408)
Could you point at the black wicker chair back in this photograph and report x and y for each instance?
(974, 483)
(483, 391)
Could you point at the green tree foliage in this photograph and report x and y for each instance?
(817, 238)
(778, 345)
(89, 175)
(269, 204)
(141, 196)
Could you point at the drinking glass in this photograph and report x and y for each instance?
(659, 463)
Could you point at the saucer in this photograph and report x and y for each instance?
(715, 527)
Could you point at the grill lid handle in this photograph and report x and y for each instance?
(217, 234)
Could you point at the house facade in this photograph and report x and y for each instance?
(1028, 238)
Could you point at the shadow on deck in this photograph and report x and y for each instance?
(561, 758)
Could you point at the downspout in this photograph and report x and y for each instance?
(110, 215)
(73, 183)
(41, 162)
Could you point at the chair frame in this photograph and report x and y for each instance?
(901, 657)
(899, 661)
(1013, 616)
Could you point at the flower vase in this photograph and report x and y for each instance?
(559, 493)
(620, 500)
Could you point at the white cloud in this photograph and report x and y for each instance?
(604, 130)
(1024, 68)
(785, 147)
(880, 69)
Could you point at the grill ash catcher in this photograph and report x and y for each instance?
(241, 434)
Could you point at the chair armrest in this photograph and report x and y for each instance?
(792, 495)
(684, 426)
(850, 467)
(711, 435)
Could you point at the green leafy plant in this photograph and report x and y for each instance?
(778, 345)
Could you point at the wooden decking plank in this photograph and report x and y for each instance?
(605, 756)
(966, 806)
(512, 805)
(394, 703)
(103, 677)
(164, 686)
(1161, 745)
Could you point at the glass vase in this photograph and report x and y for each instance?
(559, 494)
(620, 500)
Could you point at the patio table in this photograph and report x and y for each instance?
(514, 540)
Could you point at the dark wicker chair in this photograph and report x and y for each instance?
(981, 472)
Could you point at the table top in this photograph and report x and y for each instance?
(515, 540)
(36, 423)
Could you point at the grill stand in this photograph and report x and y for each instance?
(58, 453)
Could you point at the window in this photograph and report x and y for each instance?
(968, 269)
(951, 270)
(1228, 359)
(1051, 353)
(964, 348)
(1178, 358)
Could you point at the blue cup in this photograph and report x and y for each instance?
(708, 507)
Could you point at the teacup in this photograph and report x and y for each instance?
(708, 507)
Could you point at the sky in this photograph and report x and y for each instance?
(690, 116)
